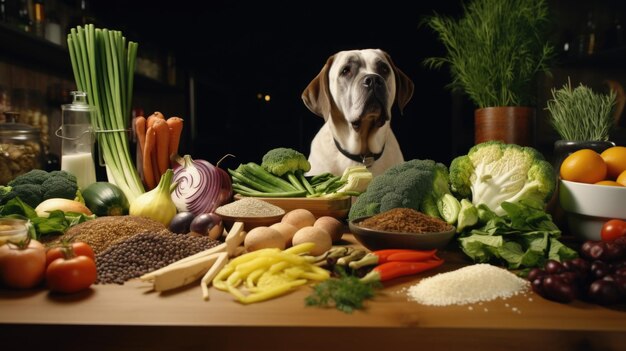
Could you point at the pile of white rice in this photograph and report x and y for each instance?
(471, 284)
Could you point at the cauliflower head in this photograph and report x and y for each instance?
(493, 172)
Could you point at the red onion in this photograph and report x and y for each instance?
(199, 186)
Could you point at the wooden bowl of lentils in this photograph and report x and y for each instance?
(252, 212)
(402, 228)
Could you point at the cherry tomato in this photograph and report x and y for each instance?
(71, 275)
(22, 266)
(613, 229)
(70, 249)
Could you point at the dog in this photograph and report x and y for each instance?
(354, 93)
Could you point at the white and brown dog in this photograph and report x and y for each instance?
(354, 93)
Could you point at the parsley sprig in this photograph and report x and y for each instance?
(346, 292)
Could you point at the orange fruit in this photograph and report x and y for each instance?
(615, 159)
(584, 166)
(621, 178)
(608, 182)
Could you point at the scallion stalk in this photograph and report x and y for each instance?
(103, 63)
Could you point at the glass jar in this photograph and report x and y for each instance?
(20, 148)
(13, 230)
(77, 140)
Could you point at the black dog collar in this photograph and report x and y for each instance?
(367, 159)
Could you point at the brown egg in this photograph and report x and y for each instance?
(332, 226)
(287, 230)
(263, 237)
(311, 234)
(299, 218)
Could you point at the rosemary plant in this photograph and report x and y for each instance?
(495, 50)
(580, 114)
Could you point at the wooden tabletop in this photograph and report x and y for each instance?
(132, 317)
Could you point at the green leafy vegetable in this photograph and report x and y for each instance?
(56, 223)
(524, 237)
(345, 292)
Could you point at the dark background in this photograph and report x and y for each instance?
(236, 50)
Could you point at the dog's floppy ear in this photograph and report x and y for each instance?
(316, 96)
(404, 85)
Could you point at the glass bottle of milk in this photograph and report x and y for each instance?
(77, 139)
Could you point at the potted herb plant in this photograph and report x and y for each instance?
(495, 51)
(582, 118)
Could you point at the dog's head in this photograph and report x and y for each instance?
(356, 90)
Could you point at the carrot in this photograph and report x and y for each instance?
(175, 125)
(382, 256)
(148, 170)
(162, 145)
(153, 117)
(140, 131)
(395, 269)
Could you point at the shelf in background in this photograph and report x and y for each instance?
(27, 50)
(610, 58)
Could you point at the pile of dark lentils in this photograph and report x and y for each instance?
(145, 252)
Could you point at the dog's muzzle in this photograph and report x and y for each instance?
(376, 91)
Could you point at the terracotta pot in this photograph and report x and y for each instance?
(510, 124)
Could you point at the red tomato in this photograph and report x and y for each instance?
(75, 249)
(71, 275)
(613, 229)
(22, 266)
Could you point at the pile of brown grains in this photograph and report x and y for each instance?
(146, 252)
(405, 220)
(249, 207)
(102, 232)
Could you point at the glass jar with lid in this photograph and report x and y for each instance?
(20, 148)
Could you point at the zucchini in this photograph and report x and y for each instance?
(105, 199)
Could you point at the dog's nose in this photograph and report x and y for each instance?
(373, 81)
(376, 85)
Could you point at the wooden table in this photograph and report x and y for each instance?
(132, 317)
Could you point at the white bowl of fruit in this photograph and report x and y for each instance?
(592, 190)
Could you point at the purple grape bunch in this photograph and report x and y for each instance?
(597, 276)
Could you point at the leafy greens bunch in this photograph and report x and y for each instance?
(524, 237)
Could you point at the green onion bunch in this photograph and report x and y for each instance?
(580, 114)
(103, 62)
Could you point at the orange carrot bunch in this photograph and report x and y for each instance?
(158, 139)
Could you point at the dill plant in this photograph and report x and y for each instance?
(495, 50)
(580, 114)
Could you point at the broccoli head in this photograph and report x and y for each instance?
(35, 176)
(64, 174)
(416, 184)
(290, 163)
(38, 185)
(30, 194)
(59, 186)
(493, 172)
(282, 160)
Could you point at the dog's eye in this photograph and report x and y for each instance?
(345, 70)
(384, 69)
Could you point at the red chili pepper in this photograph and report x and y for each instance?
(383, 256)
(395, 269)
